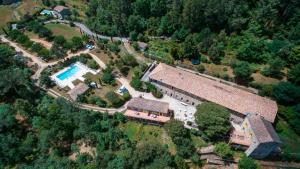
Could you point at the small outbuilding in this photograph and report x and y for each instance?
(148, 111)
(81, 88)
(62, 11)
(142, 46)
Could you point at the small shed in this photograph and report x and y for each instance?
(62, 11)
(78, 90)
(142, 46)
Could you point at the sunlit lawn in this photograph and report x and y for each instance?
(144, 133)
(289, 138)
(63, 29)
(6, 15)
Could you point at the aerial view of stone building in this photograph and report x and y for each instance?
(148, 111)
(255, 135)
(194, 89)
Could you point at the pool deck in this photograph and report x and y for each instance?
(83, 69)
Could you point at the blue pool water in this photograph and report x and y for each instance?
(68, 73)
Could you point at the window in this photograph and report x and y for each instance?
(171, 94)
(187, 100)
(161, 90)
(181, 98)
(193, 103)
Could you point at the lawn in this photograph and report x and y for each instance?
(12, 12)
(63, 29)
(142, 133)
(6, 15)
(101, 92)
(289, 138)
(105, 56)
(29, 6)
(160, 49)
(80, 5)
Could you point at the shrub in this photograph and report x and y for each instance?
(201, 68)
(126, 96)
(157, 94)
(136, 83)
(246, 163)
(114, 99)
(223, 150)
(107, 77)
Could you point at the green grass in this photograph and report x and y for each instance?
(65, 30)
(198, 141)
(289, 138)
(144, 133)
(6, 15)
(161, 49)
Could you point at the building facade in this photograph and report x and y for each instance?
(148, 111)
(257, 136)
(194, 89)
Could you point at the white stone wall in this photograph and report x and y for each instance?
(177, 95)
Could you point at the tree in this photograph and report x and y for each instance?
(216, 52)
(77, 43)
(193, 14)
(190, 49)
(107, 77)
(242, 71)
(175, 128)
(294, 74)
(7, 119)
(294, 57)
(36, 47)
(59, 40)
(253, 51)
(136, 83)
(286, 93)
(212, 119)
(223, 150)
(5, 56)
(274, 68)
(246, 163)
(114, 99)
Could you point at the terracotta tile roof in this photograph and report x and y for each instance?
(262, 129)
(146, 116)
(60, 8)
(239, 137)
(230, 97)
(149, 105)
(78, 90)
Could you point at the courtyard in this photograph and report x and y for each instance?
(182, 111)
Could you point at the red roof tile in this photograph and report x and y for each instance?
(230, 97)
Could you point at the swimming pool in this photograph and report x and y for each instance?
(69, 72)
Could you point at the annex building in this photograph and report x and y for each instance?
(148, 111)
(252, 115)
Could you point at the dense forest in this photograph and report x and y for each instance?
(248, 35)
(37, 131)
(256, 31)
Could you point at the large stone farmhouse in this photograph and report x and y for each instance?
(246, 107)
(194, 89)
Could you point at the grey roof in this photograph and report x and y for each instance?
(148, 105)
(78, 90)
(142, 45)
(262, 129)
